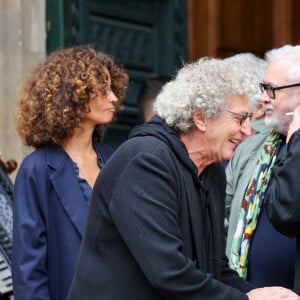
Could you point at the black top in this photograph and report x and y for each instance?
(155, 230)
(282, 199)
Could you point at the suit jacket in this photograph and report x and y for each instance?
(283, 196)
(49, 215)
(156, 231)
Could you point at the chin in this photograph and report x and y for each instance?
(227, 156)
(107, 121)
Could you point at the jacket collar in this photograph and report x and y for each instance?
(65, 183)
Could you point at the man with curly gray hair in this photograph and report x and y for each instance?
(156, 231)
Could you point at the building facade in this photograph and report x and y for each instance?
(149, 37)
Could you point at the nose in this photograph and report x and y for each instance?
(246, 127)
(111, 96)
(265, 97)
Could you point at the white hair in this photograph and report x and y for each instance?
(206, 85)
(257, 66)
(290, 57)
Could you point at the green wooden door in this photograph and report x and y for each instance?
(148, 37)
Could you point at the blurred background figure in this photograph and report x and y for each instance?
(148, 94)
(65, 102)
(6, 227)
(257, 66)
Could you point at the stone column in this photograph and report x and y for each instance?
(22, 45)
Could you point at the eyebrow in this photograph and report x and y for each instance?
(272, 84)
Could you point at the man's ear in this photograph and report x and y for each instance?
(200, 121)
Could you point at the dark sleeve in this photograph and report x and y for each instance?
(29, 252)
(144, 208)
(283, 196)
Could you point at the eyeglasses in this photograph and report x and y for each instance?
(241, 117)
(271, 90)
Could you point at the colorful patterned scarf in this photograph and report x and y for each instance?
(252, 203)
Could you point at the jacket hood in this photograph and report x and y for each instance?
(157, 127)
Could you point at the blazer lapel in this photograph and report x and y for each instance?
(65, 183)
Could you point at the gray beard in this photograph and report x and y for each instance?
(280, 125)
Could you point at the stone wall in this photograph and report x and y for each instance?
(22, 45)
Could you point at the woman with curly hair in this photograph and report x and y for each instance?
(65, 102)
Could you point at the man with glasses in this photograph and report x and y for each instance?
(255, 249)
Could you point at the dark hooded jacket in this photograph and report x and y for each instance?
(155, 229)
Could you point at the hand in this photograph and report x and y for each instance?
(295, 124)
(272, 293)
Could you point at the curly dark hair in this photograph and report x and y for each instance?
(54, 99)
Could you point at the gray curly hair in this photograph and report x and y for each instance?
(206, 85)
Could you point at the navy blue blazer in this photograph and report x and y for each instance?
(49, 216)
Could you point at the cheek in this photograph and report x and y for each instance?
(228, 128)
(222, 129)
(220, 139)
(279, 111)
(277, 106)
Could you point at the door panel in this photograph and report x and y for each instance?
(223, 28)
(148, 37)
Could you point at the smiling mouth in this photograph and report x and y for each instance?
(235, 142)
